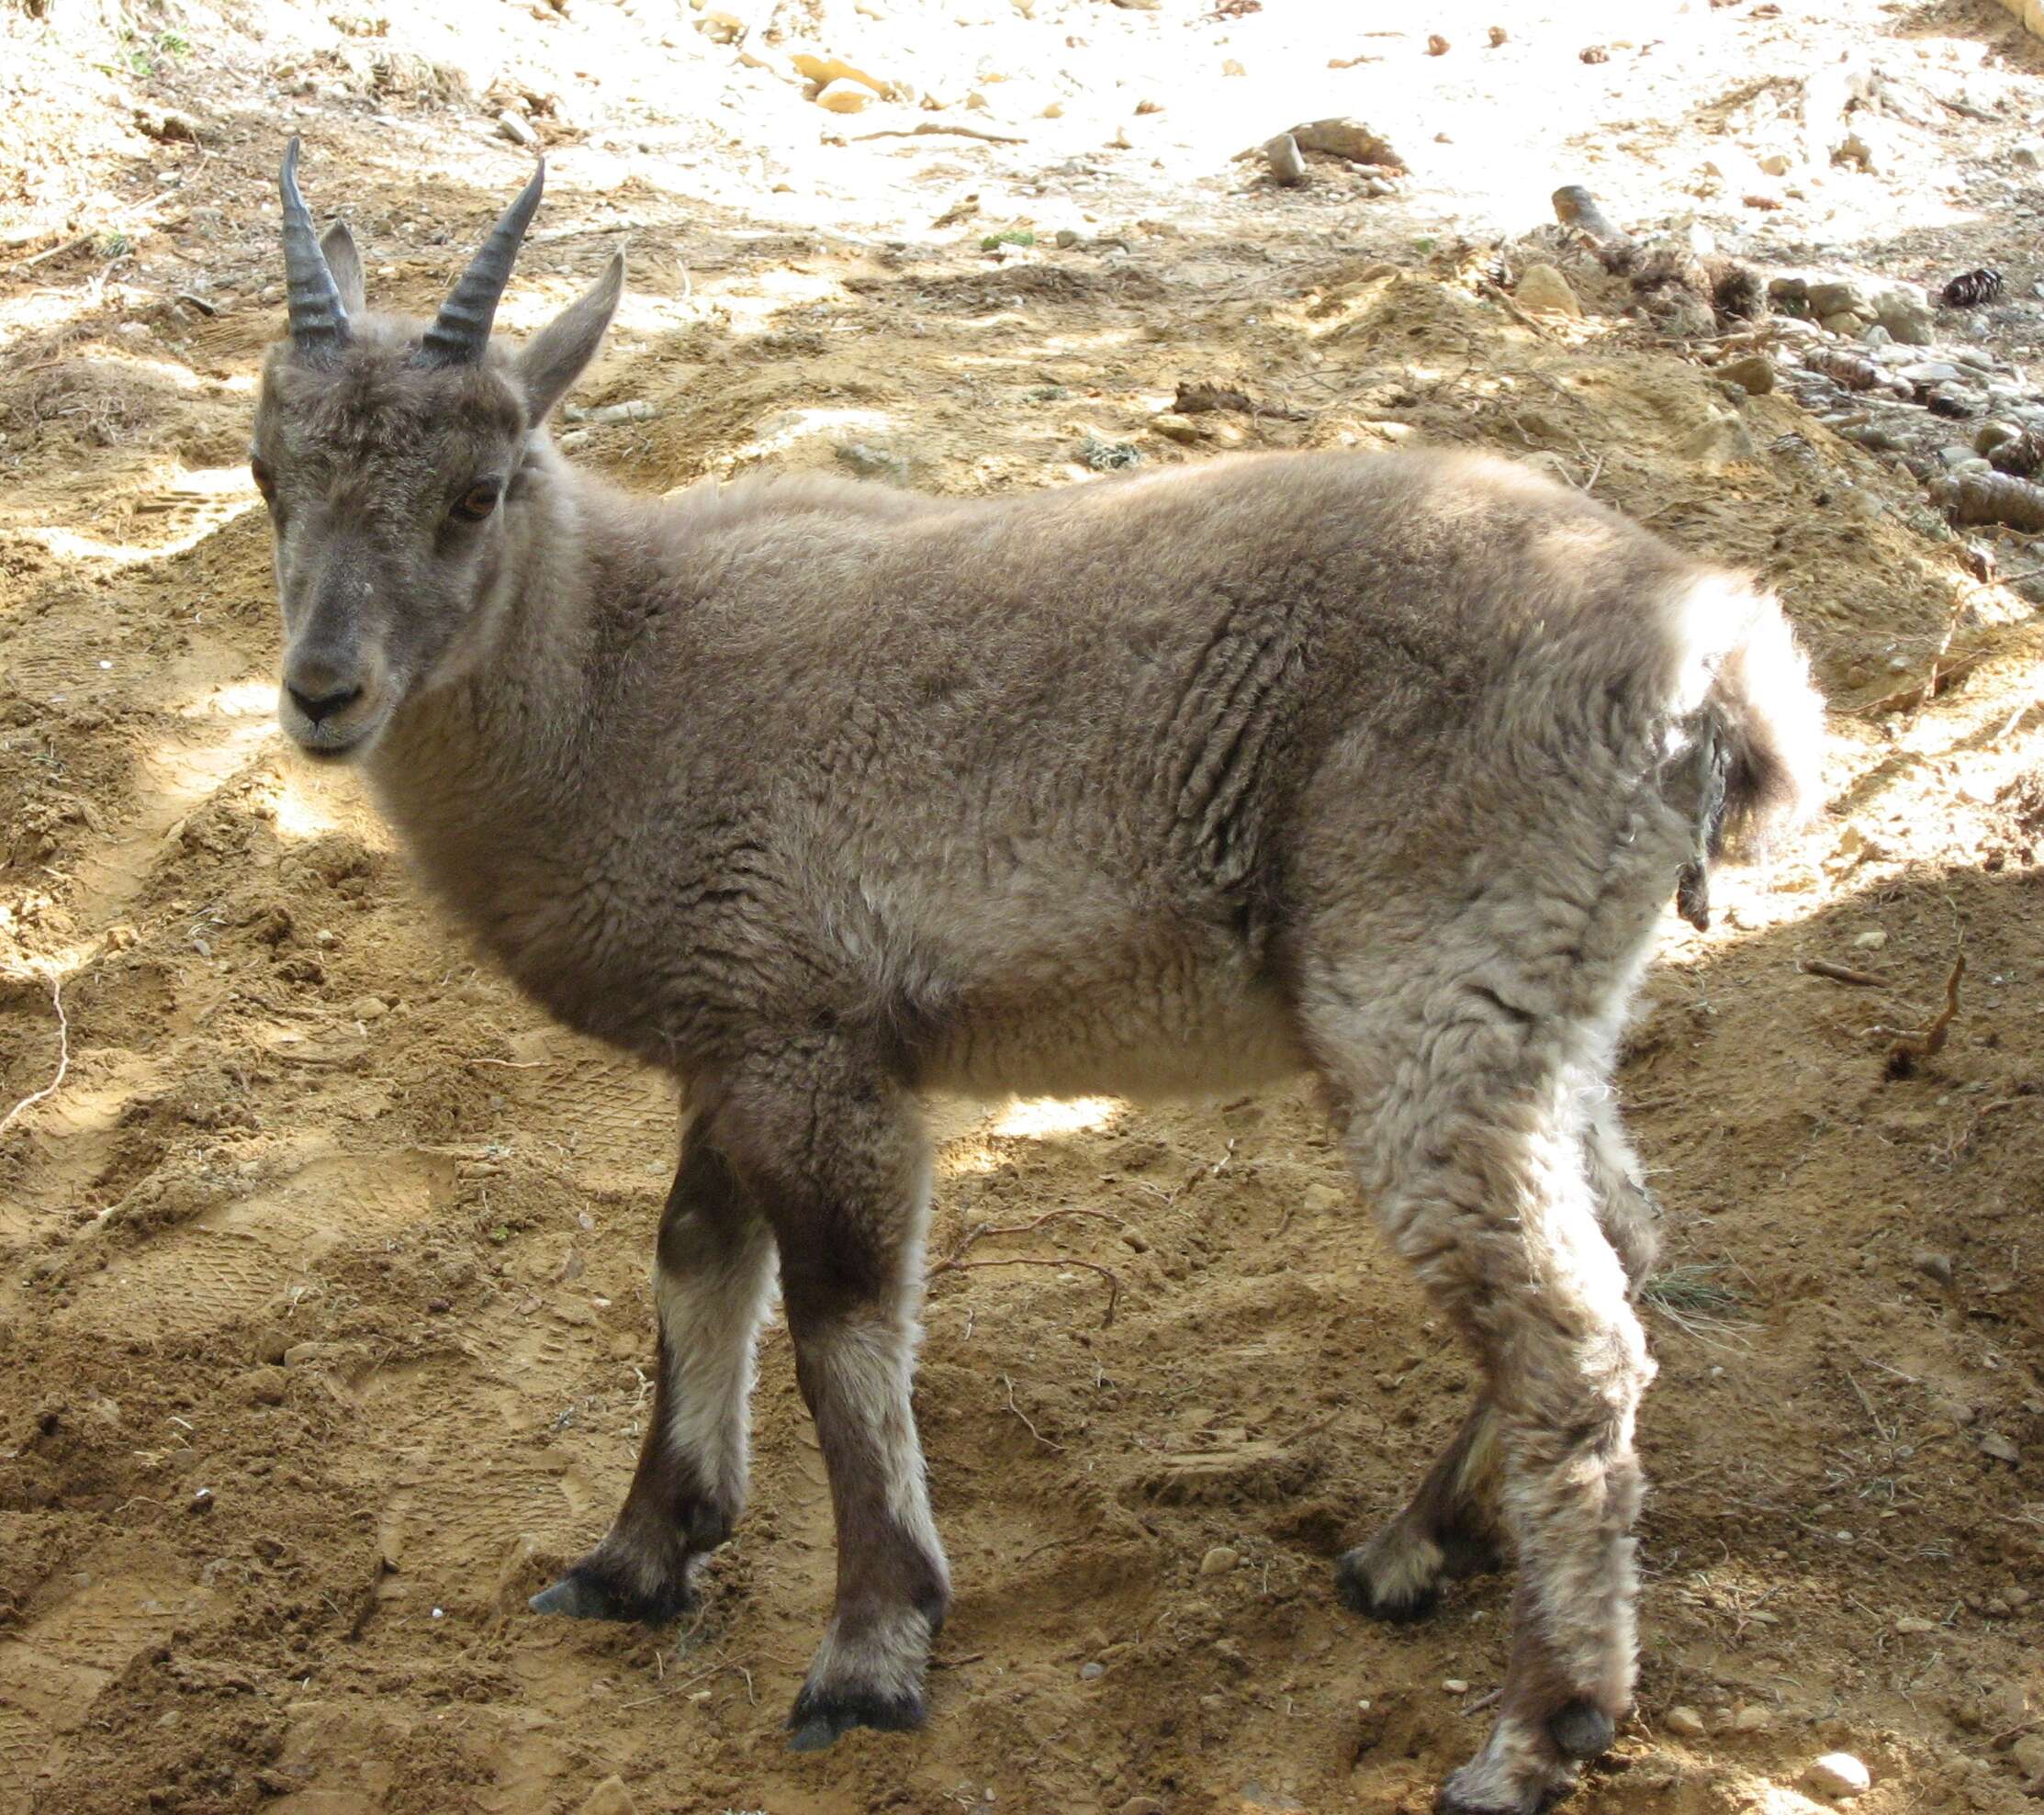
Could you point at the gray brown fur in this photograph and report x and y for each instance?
(820, 795)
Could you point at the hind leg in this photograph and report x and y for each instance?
(1464, 1127)
(1452, 1527)
(711, 1277)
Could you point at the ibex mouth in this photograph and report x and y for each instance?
(331, 736)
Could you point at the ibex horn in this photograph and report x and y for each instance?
(461, 330)
(318, 318)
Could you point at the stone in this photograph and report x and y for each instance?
(1141, 1805)
(1839, 1775)
(369, 1008)
(1844, 323)
(1877, 336)
(824, 69)
(1453, 1685)
(1838, 296)
(1937, 1266)
(2029, 155)
(1685, 1722)
(265, 1385)
(1287, 166)
(1914, 1623)
(1751, 1719)
(1177, 428)
(609, 1798)
(1905, 311)
(1925, 373)
(1092, 1672)
(517, 128)
(1220, 1561)
(1343, 137)
(1541, 287)
(1755, 373)
(844, 96)
(1775, 164)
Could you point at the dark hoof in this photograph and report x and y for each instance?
(1582, 1730)
(820, 1717)
(1449, 1803)
(1397, 1606)
(587, 1593)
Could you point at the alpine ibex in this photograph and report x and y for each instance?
(819, 794)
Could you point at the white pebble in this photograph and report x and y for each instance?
(1455, 1685)
(1839, 1774)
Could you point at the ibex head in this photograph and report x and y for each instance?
(395, 457)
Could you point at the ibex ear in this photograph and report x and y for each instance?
(338, 246)
(553, 358)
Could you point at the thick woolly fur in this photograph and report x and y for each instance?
(819, 794)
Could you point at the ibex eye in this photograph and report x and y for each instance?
(479, 499)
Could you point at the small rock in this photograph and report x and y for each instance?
(1148, 106)
(1877, 336)
(1453, 1685)
(265, 1385)
(1220, 1561)
(1839, 297)
(1775, 164)
(610, 1798)
(1991, 435)
(1092, 1672)
(720, 28)
(515, 127)
(844, 96)
(1343, 137)
(1498, 36)
(1905, 311)
(2028, 156)
(1839, 1774)
(874, 462)
(1320, 1198)
(1286, 165)
(1542, 287)
(1437, 46)
(1864, 145)
(369, 1008)
(1142, 1805)
(1177, 428)
(1871, 940)
(1937, 1266)
(1925, 373)
(1685, 1722)
(1755, 372)
(1957, 456)
(1751, 1719)
(1911, 1622)
(2028, 1754)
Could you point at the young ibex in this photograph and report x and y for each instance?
(819, 794)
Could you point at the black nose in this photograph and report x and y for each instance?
(317, 707)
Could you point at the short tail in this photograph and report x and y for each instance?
(1767, 720)
(1754, 726)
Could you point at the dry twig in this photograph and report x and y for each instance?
(1908, 1047)
(64, 1060)
(1840, 973)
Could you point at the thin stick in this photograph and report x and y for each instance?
(64, 1061)
(1019, 1413)
(1840, 973)
(1107, 1274)
(986, 1229)
(1909, 1047)
(928, 127)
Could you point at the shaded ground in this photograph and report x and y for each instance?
(324, 1308)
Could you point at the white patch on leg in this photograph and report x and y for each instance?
(1399, 1567)
(710, 1320)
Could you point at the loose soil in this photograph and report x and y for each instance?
(323, 1306)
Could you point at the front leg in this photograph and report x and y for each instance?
(835, 1154)
(712, 1277)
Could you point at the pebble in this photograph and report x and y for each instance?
(1168, 422)
(1936, 1266)
(1455, 1685)
(1839, 297)
(610, 1798)
(1990, 434)
(1755, 373)
(266, 1385)
(1911, 1622)
(844, 96)
(1871, 940)
(1928, 372)
(1288, 164)
(1839, 1774)
(515, 127)
(1685, 1722)
(2028, 156)
(1542, 287)
(1905, 311)
(1092, 1672)
(1750, 1719)
(1220, 1561)
(1142, 1805)
(369, 1008)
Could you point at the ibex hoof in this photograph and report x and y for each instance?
(822, 1716)
(1390, 1578)
(584, 1594)
(1582, 1730)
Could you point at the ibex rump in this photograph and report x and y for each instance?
(819, 794)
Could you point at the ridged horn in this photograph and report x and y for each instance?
(461, 330)
(319, 317)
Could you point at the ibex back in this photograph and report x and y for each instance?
(819, 794)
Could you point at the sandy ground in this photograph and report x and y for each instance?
(323, 1307)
